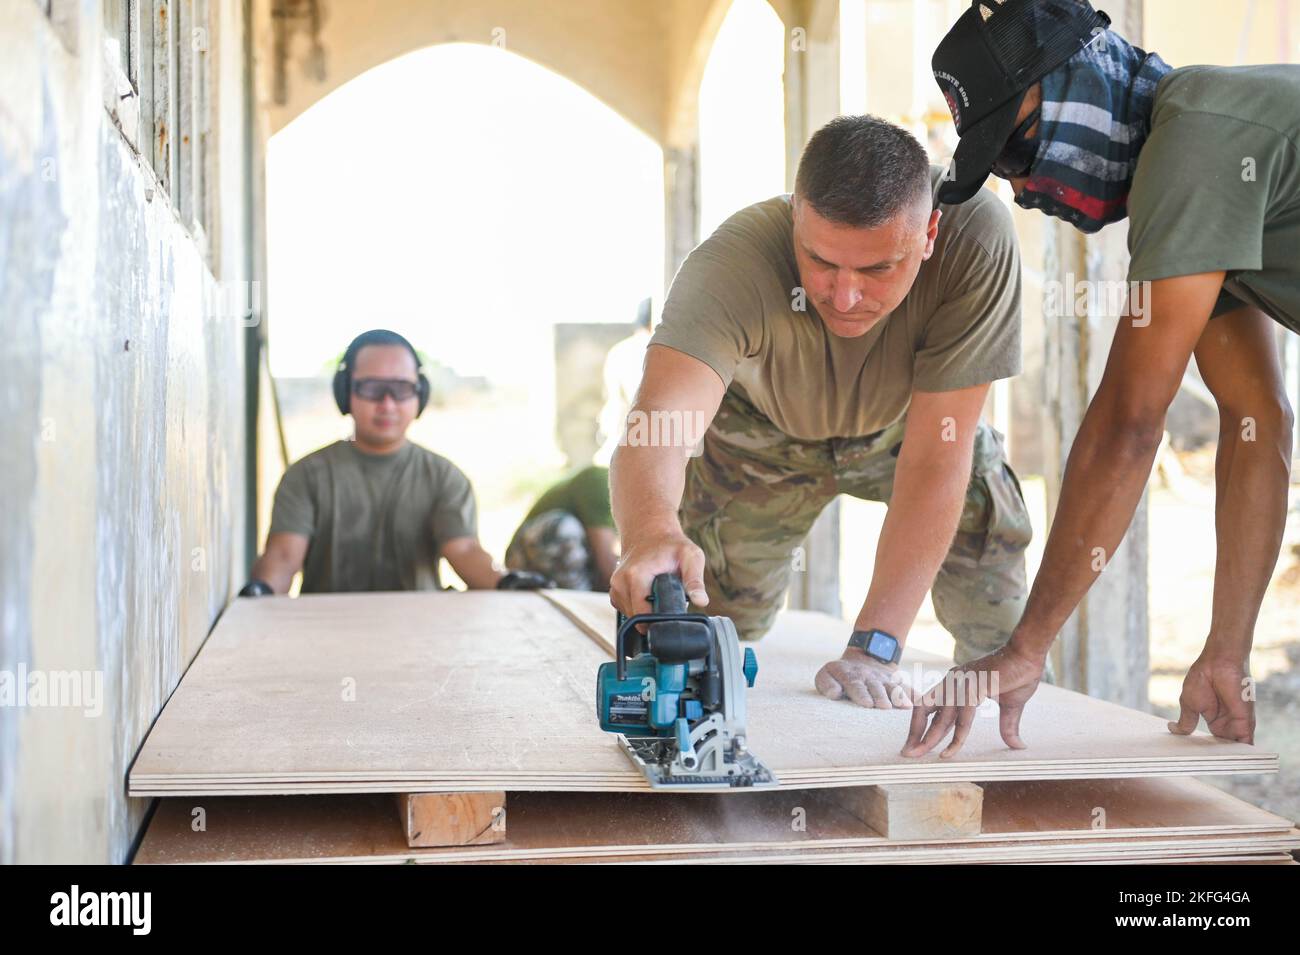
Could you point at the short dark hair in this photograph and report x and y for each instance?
(377, 336)
(861, 171)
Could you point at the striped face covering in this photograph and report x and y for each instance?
(1096, 114)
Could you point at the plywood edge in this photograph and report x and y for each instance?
(601, 633)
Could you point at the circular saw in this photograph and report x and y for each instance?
(675, 695)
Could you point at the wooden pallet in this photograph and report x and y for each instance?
(1155, 820)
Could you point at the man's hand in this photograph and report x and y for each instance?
(650, 556)
(865, 681)
(1217, 689)
(1005, 675)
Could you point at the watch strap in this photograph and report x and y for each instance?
(863, 639)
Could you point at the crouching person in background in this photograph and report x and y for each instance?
(569, 535)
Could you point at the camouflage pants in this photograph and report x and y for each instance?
(754, 493)
(554, 544)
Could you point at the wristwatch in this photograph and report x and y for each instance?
(877, 644)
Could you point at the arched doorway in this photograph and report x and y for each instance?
(471, 200)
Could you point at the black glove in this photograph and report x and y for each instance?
(256, 588)
(524, 580)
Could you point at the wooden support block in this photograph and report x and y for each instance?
(917, 811)
(452, 819)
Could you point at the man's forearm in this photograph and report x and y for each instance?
(1105, 477)
(646, 485)
(474, 565)
(275, 571)
(922, 520)
(1249, 517)
(282, 559)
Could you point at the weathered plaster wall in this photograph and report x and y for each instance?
(121, 440)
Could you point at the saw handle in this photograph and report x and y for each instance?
(690, 649)
(667, 594)
(677, 644)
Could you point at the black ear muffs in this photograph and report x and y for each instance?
(343, 388)
(342, 383)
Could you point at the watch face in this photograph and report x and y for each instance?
(882, 645)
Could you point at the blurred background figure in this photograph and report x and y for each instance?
(569, 535)
(623, 367)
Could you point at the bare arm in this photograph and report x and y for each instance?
(474, 565)
(930, 483)
(648, 473)
(282, 559)
(1238, 360)
(1112, 454)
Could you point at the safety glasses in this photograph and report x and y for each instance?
(375, 389)
(1020, 151)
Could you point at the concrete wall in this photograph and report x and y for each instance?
(121, 409)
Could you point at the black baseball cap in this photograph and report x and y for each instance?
(994, 52)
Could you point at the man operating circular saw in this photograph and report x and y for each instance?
(1205, 163)
(838, 340)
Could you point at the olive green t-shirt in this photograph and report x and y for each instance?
(585, 495)
(375, 521)
(1217, 185)
(733, 306)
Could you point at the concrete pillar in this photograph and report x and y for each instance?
(1103, 648)
(681, 204)
(812, 98)
(812, 73)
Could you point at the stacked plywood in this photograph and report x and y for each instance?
(491, 691)
(1057, 821)
(342, 696)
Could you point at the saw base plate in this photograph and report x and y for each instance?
(654, 756)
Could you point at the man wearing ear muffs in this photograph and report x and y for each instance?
(1204, 162)
(376, 512)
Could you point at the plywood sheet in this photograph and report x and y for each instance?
(444, 692)
(1023, 822)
